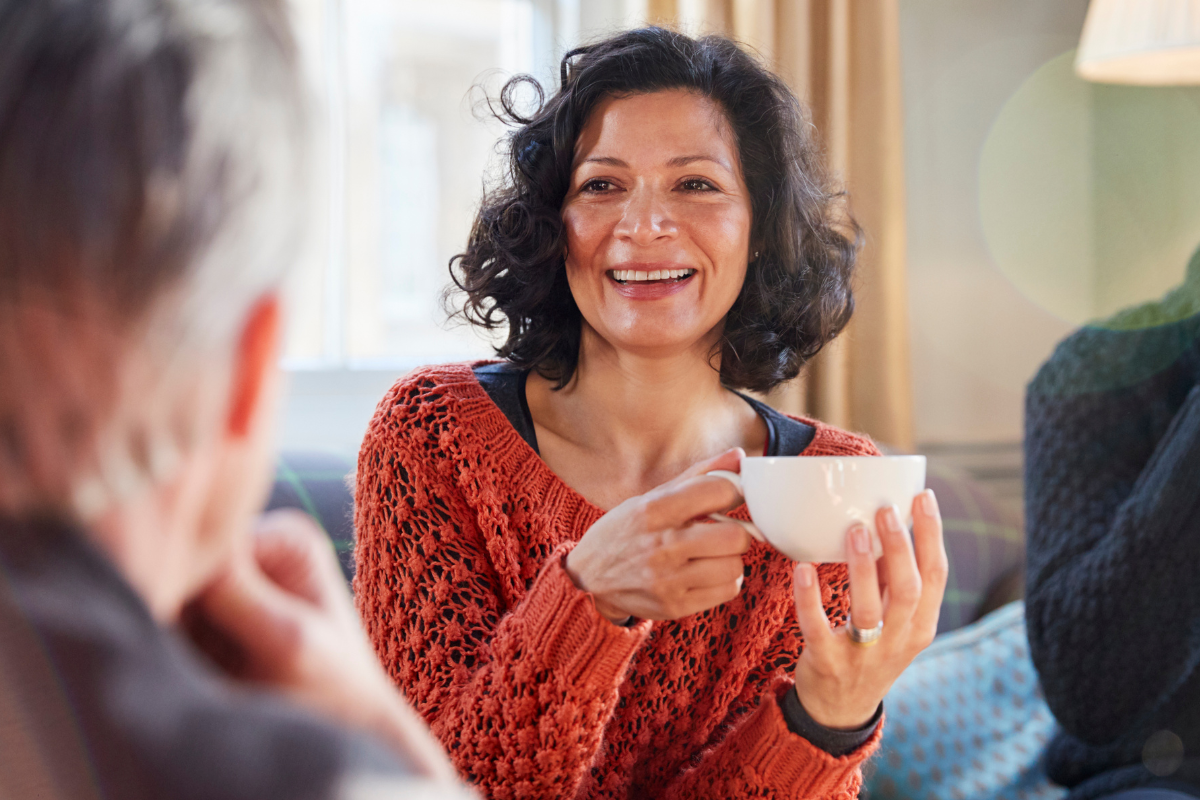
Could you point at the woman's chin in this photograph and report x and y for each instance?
(654, 339)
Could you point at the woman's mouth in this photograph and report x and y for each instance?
(652, 284)
(626, 277)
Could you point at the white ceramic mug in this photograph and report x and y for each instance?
(804, 505)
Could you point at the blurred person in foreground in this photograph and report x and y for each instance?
(536, 566)
(151, 190)
(1112, 453)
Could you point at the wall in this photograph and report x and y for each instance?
(976, 337)
(1036, 202)
(1146, 170)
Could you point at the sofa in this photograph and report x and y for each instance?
(984, 545)
(965, 722)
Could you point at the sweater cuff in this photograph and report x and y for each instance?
(797, 766)
(571, 635)
(832, 740)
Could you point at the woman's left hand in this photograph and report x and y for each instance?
(840, 682)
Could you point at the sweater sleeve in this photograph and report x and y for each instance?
(518, 696)
(1113, 517)
(761, 756)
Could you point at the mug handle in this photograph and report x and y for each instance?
(736, 480)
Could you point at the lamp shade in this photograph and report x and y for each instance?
(1146, 42)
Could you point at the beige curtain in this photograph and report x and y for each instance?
(842, 57)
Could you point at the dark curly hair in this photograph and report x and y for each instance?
(797, 293)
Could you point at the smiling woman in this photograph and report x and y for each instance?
(530, 563)
(756, 148)
(637, 211)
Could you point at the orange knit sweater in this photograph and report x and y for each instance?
(462, 530)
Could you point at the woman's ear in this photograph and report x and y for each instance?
(255, 361)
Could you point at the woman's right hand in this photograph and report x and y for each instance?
(650, 558)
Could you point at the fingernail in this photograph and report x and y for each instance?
(740, 580)
(804, 575)
(859, 539)
(929, 504)
(892, 519)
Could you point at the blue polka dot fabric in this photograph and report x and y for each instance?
(967, 721)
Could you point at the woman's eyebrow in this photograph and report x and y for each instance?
(677, 161)
(607, 161)
(683, 161)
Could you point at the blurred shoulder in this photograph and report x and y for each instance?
(1128, 348)
(830, 440)
(1097, 359)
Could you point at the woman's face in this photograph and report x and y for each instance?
(658, 222)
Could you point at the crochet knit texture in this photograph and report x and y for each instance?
(462, 534)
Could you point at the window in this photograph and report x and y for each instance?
(403, 146)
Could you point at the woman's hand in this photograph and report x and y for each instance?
(650, 558)
(840, 683)
(280, 615)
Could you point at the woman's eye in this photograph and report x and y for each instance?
(597, 185)
(698, 185)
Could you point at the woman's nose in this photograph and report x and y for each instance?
(646, 218)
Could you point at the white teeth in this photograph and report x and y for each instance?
(627, 275)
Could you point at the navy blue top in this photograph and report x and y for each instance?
(505, 384)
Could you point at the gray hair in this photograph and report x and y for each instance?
(152, 189)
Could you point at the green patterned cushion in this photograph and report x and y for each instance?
(985, 547)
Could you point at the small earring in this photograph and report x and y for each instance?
(756, 255)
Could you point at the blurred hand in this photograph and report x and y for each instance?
(839, 682)
(650, 558)
(281, 615)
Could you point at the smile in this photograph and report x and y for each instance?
(627, 276)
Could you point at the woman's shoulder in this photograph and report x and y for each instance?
(433, 399)
(433, 381)
(830, 440)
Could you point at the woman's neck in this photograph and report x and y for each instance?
(628, 422)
